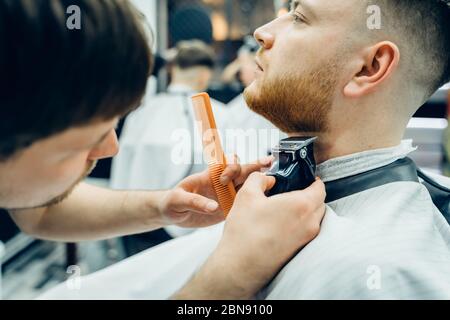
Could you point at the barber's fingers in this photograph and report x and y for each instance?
(258, 183)
(246, 170)
(232, 170)
(239, 173)
(308, 199)
(316, 192)
(182, 201)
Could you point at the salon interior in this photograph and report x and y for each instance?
(30, 267)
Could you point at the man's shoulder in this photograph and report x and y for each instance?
(370, 268)
(441, 179)
(351, 252)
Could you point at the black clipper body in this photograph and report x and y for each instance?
(294, 167)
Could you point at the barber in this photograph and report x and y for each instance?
(64, 94)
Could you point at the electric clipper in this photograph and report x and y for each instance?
(294, 167)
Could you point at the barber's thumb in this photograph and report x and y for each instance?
(314, 194)
(316, 191)
(260, 182)
(197, 203)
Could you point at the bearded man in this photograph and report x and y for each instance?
(322, 72)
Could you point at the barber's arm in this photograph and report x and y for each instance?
(92, 213)
(261, 234)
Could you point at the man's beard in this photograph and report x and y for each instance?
(297, 103)
(87, 171)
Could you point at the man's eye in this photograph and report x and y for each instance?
(297, 18)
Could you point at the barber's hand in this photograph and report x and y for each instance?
(259, 227)
(261, 235)
(193, 203)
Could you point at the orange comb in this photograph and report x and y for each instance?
(212, 150)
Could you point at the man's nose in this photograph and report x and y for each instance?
(107, 149)
(264, 36)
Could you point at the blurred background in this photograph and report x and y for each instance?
(30, 266)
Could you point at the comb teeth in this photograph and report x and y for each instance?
(225, 194)
(216, 161)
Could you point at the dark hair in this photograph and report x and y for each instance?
(55, 78)
(424, 27)
(194, 53)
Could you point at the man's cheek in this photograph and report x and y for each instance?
(68, 172)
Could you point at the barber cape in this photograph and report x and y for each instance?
(389, 242)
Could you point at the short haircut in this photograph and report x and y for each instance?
(55, 78)
(423, 29)
(192, 54)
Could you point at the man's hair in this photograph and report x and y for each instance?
(193, 53)
(423, 30)
(55, 77)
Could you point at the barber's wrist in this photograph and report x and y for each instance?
(239, 275)
(222, 277)
(230, 273)
(154, 208)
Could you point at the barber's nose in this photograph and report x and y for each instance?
(107, 149)
(264, 37)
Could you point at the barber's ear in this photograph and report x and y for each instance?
(377, 65)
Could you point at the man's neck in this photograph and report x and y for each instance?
(330, 146)
(179, 81)
(182, 84)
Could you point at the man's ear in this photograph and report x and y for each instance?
(377, 65)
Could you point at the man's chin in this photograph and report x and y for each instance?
(58, 199)
(55, 201)
(251, 93)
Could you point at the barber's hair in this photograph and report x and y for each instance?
(193, 53)
(423, 30)
(55, 77)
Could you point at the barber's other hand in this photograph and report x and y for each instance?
(261, 234)
(193, 203)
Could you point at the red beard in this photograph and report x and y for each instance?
(295, 103)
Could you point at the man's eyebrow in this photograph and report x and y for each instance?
(296, 3)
